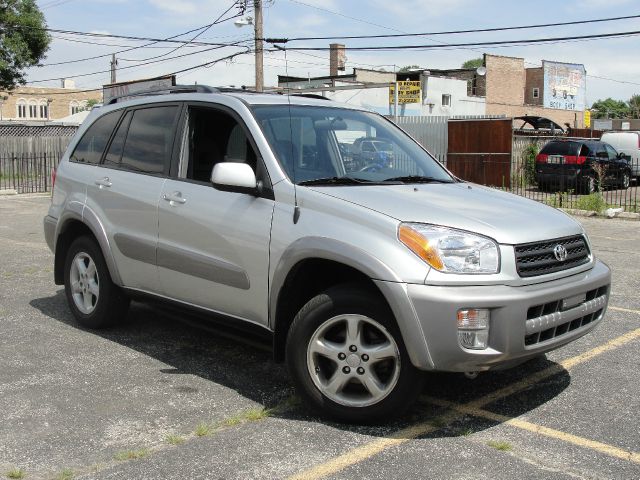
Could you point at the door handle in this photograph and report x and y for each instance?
(175, 197)
(103, 182)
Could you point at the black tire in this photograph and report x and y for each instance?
(349, 299)
(111, 304)
(625, 181)
(588, 185)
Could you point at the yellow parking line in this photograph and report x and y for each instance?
(610, 345)
(620, 309)
(532, 427)
(368, 450)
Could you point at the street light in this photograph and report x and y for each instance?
(257, 33)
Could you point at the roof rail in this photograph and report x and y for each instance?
(310, 95)
(166, 91)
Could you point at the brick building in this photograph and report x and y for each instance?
(513, 90)
(40, 103)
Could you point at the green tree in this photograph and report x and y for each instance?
(610, 108)
(473, 63)
(408, 68)
(634, 106)
(23, 40)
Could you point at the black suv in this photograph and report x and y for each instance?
(581, 165)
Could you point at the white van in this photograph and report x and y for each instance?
(627, 143)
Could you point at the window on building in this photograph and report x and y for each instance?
(75, 107)
(446, 100)
(33, 109)
(21, 106)
(44, 110)
(536, 93)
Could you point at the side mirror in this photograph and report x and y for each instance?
(234, 177)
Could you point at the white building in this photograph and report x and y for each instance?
(441, 96)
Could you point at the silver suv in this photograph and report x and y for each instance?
(241, 204)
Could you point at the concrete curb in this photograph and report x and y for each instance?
(587, 213)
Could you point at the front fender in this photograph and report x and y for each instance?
(388, 282)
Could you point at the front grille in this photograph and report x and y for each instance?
(551, 320)
(537, 258)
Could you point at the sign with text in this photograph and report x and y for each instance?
(408, 92)
(587, 118)
(130, 90)
(564, 85)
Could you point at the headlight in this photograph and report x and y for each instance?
(449, 250)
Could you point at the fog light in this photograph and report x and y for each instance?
(473, 328)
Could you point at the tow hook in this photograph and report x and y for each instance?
(471, 375)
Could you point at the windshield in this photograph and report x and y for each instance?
(337, 146)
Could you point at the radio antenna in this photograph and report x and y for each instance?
(296, 208)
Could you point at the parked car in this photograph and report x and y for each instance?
(627, 143)
(204, 199)
(583, 166)
(372, 153)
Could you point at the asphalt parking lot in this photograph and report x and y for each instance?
(158, 398)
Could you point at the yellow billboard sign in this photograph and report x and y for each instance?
(408, 92)
(587, 119)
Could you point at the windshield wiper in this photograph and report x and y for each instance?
(418, 179)
(336, 181)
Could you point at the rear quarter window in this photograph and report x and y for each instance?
(92, 144)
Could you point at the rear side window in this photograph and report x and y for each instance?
(561, 148)
(149, 141)
(93, 142)
(114, 154)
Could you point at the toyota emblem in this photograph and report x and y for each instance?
(560, 253)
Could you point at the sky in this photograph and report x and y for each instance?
(615, 59)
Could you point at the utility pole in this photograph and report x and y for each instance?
(114, 64)
(257, 6)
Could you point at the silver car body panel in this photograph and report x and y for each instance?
(220, 240)
(230, 253)
(128, 210)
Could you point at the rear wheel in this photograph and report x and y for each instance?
(94, 299)
(347, 359)
(625, 181)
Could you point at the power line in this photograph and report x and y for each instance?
(220, 19)
(455, 32)
(201, 65)
(132, 66)
(473, 44)
(152, 42)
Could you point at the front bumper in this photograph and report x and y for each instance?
(525, 321)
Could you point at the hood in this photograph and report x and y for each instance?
(507, 218)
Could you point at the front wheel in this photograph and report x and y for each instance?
(588, 185)
(94, 299)
(347, 359)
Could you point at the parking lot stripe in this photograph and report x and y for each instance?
(363, 452)
(370, 449)
(539, 429)
(627, 310)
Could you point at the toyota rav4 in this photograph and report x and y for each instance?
(242, 205)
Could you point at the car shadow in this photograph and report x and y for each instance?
(189, 345)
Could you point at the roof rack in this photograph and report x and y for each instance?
(165, 91)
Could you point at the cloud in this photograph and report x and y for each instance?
(171, 6)
(403, 11)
